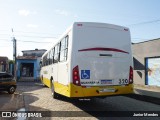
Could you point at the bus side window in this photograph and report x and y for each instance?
(52, 56)
(45, 60)
(64, 49)
(48, 59)
(56, 54)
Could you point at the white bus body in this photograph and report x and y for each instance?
(96, 61)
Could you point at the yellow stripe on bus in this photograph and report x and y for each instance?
(72, 90)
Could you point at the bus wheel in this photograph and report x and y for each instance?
(54, 94)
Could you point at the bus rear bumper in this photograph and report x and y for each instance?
(74, 91)
(79, 91)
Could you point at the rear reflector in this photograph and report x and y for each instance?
(75, 75)
(131, 75)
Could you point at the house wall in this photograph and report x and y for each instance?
(19, 62)
(4, 65)
(30, 56)
(140, 52)
(38, 53)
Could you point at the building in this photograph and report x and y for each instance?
(28, 65)
(146, 57)
(4, 64)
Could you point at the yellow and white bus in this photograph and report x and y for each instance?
(89, 60)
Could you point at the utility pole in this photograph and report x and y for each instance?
(14, 49)
(14, 53)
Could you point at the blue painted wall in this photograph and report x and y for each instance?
(35, 62)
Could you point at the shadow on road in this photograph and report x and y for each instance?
(117, 106)
(145, 98)
(96, 107)
(29, 96)
(9, 102)
(22, 100)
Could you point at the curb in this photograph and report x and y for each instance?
(151, 91)
(147, 87)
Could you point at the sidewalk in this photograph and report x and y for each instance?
(152, 91)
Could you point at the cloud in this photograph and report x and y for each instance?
(75, 16)
(62, 12)
(32, 26)
(24, 12)
(34, 12)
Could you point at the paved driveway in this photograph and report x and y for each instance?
(35, 98)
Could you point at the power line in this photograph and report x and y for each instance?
(4, 46)
(147, 22)
(35, 33)
(139, 38)
(32, 41)
(37, 36)
(33, 36)
(2, 41)
(6, 40)
(4, 34)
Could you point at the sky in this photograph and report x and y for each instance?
(38, 23)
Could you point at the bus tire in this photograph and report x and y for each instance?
(54, 94)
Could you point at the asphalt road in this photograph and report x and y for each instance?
(34, 97)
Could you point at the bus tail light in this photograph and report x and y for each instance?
(131, 75)
(75, 74)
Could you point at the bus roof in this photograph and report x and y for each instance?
(101, 25)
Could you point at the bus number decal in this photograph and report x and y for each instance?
(123, 81)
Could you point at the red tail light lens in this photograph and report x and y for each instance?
(131, 75)
(76, 78)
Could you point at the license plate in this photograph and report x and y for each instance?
(107, 90)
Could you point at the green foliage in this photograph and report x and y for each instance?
(11, 61)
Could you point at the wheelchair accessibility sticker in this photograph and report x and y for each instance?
(85, 74)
